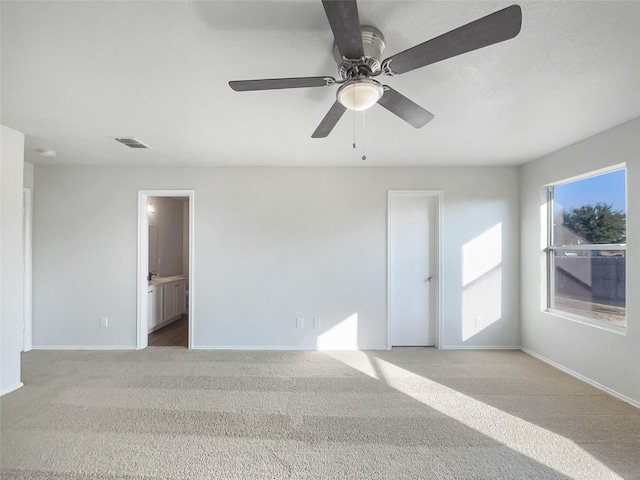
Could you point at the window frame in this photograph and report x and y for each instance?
(551, 249)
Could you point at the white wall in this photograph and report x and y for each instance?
(271, 244)
(28, 175)
(168, 217)
(606, 358)
(11, 323)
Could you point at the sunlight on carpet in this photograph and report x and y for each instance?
(537, 443)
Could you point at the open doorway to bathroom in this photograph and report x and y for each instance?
(165, 268)
(168, 301)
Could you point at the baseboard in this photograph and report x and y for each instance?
(95, 347)
(480, 347)
(280, 348)
(10, 389)
(583, 378)
(202, 347)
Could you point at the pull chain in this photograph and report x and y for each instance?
(364, 136)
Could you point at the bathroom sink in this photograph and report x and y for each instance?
(163, 280)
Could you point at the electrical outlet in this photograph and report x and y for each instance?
(104, 322)
(316, 322)
(299, 322)
(478, 321)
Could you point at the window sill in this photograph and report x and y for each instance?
(587, 321)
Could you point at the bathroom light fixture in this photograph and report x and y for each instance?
(47, 153)
(150, 208)
(360, 94)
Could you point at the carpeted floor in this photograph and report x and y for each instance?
(413, 413)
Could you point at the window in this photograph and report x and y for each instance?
(586, 252)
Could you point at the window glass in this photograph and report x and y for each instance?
(591, 284)
(590, 211)
(587, 248)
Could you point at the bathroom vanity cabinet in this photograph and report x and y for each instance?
(166, 301)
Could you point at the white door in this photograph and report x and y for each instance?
(412, 268)
(154, 306)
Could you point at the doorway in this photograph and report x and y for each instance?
(413, 268)
(165, 268)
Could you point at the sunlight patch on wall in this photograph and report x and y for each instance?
(481, 281)
(481, 303)
(481, 254)
(343, 336)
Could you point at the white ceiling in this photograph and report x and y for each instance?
(75, 74)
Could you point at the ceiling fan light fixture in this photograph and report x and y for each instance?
(360, 94)
(358, 52)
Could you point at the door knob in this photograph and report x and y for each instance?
(431, 278)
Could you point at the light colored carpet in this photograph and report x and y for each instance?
(170, 413)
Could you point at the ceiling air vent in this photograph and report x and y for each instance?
(131, 142)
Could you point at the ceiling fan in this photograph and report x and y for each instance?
(358, 51)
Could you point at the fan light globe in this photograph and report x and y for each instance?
(360, 94)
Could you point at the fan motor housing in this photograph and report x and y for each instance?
(373, 43)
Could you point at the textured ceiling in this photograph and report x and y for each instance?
(76, 74)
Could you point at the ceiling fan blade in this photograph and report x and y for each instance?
(497, 27)
(277, 83)
(345, 25)
(329, 121)
(407, 110)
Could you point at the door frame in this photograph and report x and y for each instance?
(143, 262)
(437, 225)
(27, 307)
